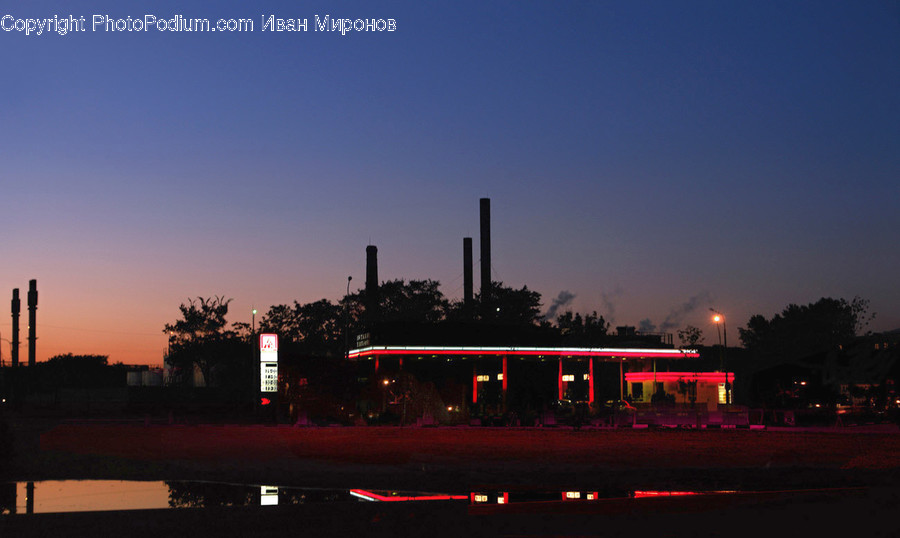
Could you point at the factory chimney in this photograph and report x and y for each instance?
(468, 284)
(486, 299)
(32, 319)
(372, 299)
(16, 308)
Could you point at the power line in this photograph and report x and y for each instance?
(101, 330)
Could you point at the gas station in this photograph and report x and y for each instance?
(504, 377)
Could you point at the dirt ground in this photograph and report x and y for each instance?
(466, 459)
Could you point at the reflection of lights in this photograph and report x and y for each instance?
(642, 494)
(268, 496)
(372, 496)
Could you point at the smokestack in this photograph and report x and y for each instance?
(485, 254)
(371, 300)
(468, 283)
(32, 320)
(16, 308)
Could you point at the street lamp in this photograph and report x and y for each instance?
(718, 318)
(347, 320)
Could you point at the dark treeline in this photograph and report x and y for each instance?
(203, 339)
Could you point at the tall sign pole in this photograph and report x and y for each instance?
(268, 369)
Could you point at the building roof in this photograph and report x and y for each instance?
(606, 353)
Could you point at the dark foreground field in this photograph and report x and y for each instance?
(864, 464)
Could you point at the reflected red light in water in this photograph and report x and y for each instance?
(642, 494)
(371, 495)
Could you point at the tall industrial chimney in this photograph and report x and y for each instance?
(32, 320)
(485, 254)
(468, 283)
(371, 300)
(16, 308)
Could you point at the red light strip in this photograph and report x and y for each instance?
(644, 494)
(710, 377)
(395, 498)
(375, 351)
(591, 381)
(560, 380)
(505, 376)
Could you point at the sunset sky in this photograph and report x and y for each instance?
(653, 158)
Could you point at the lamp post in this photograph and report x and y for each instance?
(347, 320)
(254, 358)
(718, 318)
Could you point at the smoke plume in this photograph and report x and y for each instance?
(564, 298)
(609, 305)
(676, 315)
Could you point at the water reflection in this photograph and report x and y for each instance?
(98, 495)
(53, 496)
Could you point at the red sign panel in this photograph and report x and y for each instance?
(268, 342)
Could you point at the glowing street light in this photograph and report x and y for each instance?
(718, 318)
(347, 320)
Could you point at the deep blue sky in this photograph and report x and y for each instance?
(641, 155)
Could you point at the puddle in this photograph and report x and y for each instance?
(56, 496)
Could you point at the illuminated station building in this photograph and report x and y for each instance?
(483, 369)
(521, 381)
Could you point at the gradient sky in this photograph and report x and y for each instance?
(654, 158)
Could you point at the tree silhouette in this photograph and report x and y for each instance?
(510, 306)
(200, 339)
(801, 331)
(578, 330)
(690, 336)
(310, 329)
